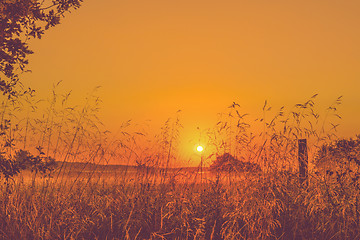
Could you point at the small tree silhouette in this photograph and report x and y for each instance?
(229, 163)
(341, 153)
(10, 167)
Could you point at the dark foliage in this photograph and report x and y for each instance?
(227, 162)
(25, 160)
(340, 152)
(21, 20)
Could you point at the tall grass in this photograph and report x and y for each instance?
(152, 200)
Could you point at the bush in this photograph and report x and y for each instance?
(228, 163)
(10, 167)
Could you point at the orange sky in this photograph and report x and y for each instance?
(153, 58)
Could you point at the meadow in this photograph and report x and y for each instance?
(255, 206)
(81, 196)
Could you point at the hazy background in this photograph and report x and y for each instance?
(153, 58)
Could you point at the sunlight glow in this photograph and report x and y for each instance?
(200, 148)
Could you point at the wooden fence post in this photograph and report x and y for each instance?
(303, 161)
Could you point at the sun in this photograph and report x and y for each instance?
(200, 148)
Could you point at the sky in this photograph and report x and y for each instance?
(153, 58)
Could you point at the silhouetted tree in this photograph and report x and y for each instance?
(21, 20)
(339, 153)
(228, 163)
(24, 160)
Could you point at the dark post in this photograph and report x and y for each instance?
(303, 160)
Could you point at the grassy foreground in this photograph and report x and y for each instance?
(142, 202)
(264, 206)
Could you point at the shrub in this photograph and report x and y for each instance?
(227, 162)
(10, 167)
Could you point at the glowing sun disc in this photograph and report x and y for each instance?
(200, 148)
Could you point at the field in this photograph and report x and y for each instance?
(179, 120)
(56, 182)
(152, 205)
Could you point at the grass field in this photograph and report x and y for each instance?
(81, 199)
(154, 206)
